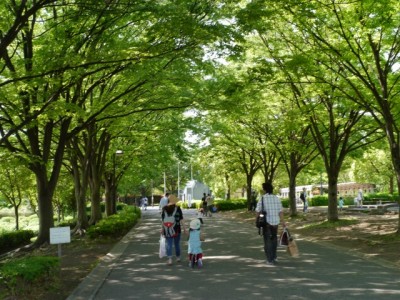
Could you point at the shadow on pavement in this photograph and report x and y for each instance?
(234, 268)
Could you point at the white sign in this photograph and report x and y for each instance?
(60, 235)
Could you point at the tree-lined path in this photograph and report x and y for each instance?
(234, 268)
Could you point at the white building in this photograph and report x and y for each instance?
(194, 191)
(344, 189)
(284, 192)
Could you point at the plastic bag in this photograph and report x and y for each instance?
(163, 250)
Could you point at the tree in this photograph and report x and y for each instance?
(360, 41)
(46, 102)
(318, 86)
(15, 183)
(376, 167)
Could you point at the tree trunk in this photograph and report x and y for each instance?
(292, 194)
(96, 215)
(391, 185)
(97, 162)
(82, 218)
(398, 202)
(394, 144)
(249, 179)
(228, 187)
(110, 193)
(46, 187)
(80, 174)
(332, 198)
(45, 209)
(16, 213)
(396, 164)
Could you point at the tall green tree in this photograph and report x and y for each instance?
(360, 45)
(15, 184)
(318, 86)
(95, 47)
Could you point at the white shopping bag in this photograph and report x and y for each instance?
(163, 250)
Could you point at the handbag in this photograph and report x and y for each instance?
(284, 238)
(163, 249)
(261, 221)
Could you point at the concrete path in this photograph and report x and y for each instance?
(234, 268)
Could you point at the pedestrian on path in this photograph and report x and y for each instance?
(163, 201)
(172, 225)
(273, 207)
(360, 198)
(303, 197)
(143, 203)
(194, 244)
(210, 205)
(341, 203)
(204, 205)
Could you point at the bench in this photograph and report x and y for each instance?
(377, 201)
(388, 206)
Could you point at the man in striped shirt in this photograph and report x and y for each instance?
(272, 205)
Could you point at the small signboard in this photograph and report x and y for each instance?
(60, 235)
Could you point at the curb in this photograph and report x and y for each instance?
(88, 288)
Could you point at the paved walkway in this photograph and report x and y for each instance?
(234, 268)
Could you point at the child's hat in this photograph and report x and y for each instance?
(195, 224)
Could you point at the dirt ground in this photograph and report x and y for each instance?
(371, 235)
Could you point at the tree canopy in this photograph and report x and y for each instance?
(267, 85)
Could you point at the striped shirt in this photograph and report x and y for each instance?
(273, 206)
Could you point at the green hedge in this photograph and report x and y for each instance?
(318, 201)
(14, 239)
(285, 203)
(224, 205)
(194, 204)
(119, 206)
(382, 196)
(116, 225)
(25, 271)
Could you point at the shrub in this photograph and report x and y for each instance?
(285, 202)
(318, 201)
(382, 196)
(116, 225)
(223, 205)
(27, 270)
(14, 239)
(195, 204)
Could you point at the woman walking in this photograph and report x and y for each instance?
(172, 224)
